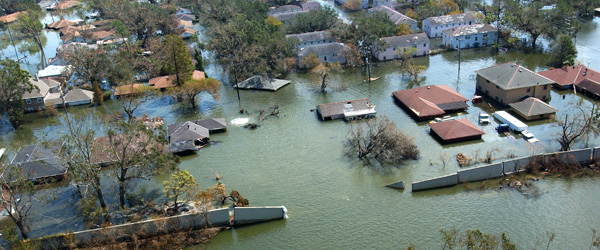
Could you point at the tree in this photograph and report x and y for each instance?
(323, 70)
(16, 196)
(365, 32)
(89, 66)
(15, 83)
(572, 129)
(273, 21)
(181, 185)
(311, 61)
(98, 96)
(380, 139)
(313, 20)
(135, 152)
(199, 62)
(122, 31)
(352, 5)
(137, 94)
(29, 24)
(414, 70)
(403, 29)
(564, 51)
(192, 88)
(475, 240)
(529, 19)
(175, 59)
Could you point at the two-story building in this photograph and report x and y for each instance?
(433, 26)
(396, 17)
(509, 83)
(365, 3)
(312, 38)
(328, 53)
(394, 44)
(44, 89)
(470, 36)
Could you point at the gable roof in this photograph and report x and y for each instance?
(213, 124)
(311, 36)
(512, 76)
(101, 35)
(470, 29)
(320, 49)
(52, 70)
(455, 129)
(187, 17)
(186, 131)
(458, 18)
(571, 74)
(262, 82)
(11, 17)
(78, 95)
(428, 101)
(65, 5)
(396, 17)
(184, 23)
(533, 107)
(337, 108)
(103, 22)
(41, 91)
(286, 16)
(406, 40)
(590, 86)
(60, 24)
(163, 81)
(38, 162)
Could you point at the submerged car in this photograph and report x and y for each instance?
(484, 118)
(528, 136)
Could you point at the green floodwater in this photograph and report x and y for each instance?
(337, 201)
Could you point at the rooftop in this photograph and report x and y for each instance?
(320, 49)
(458, 18)
(470, 29)
(11, 17)
(127, 89)
(311, 36)
(213, 124)
(430, 101)
(396, 17)
(38, 162)
(285, 16)
(52, 70)
(284, 9)
(262, 83)
(533, 107)
(590, 86)
(406, 40)
(61, 24)
(42, 88)
(328, 110)
(455, 130)
(571, 74)
(182, 136)
(512, 76)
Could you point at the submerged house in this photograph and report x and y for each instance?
(38, 164)
(589, 88)
(394, 44)
(262, 83)
(396, 17)
(469, 36)
(348, 110)
(569, 76)
(214, 125)
(533, 109)
(433, 26)
(455, 131)
(312, 38)
(44, 91)
(428, 102)
(187, 136)
(328, 53)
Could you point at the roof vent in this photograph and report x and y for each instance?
(428, 87)
(520, 70)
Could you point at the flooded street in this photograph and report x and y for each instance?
(337, 201)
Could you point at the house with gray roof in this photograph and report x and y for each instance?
(187, 136)
(214, 125)
(312, 38)
(395, 44)
(469, 36)
(285, 17)
(348, 110)
(38, 164)
(328, 53)
(433, 26)
(262, 83)
(289, 8)
(374, 3)
(509, 83)
(396, 17)
(44, 90)
(533, 109)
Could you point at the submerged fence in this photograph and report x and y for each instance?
(507, 167)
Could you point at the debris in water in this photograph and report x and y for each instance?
(240, 121)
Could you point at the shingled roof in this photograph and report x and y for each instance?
(532, 107)
(311, 36)
(183, 136)
(396, 17)
(406, 40)
(284, 9)
(571, 74)
(590, 86)
(331, 110)
(456, 130)
(431, 101)
(470, 29)
(320, 49)
(60, 24)
(213, 124)
(512, 76)
(262, 83)
(458, 18)
(37, 162)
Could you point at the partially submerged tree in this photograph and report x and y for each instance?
(352, 5)
(192, 88)
(15, 83)
(29, 25)
(323, 70)
(16, 196)
(89, 66)
(181, 185)
(380, 139)
(175, 59)
(564, 51)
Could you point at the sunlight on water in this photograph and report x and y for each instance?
(239, 121)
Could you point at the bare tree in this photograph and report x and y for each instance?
(16, 196)
(323, 70)
(380, 139)
(572, 129)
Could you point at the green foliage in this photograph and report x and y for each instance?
(175, 59)
(474, 240)
(107, 95)
(192, 88)
(365, 32)
(30, 26)
(564, 51)
(98, 97)
(181, 185)
(199, 62)
(14, 84)
(314, 20)
(403, 29)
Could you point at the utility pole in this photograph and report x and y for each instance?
(459, 39)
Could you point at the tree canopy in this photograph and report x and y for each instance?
(314, 20)
(15, 83)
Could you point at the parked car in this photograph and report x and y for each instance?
(484, 118)
(502, 128)
(528, 136)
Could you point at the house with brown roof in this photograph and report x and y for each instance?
(60, 24)
(126, 90)
(428, 102)
(568, 76)
(455, 131)
(509, 82)
(348, 110)
(533, 109)
(187, 32)
(589, 87)
(163, 82)
(64, 5)
(11, 17)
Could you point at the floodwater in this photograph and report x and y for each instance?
(338, 201)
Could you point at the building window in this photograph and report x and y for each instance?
(325, 58)
(384, 58)
(528, 89)
(424, 45)
(39, 100)
(334, 54)
(543, 97)
(28, 101)
(545, 87)
(394, 49)
(476, 38)
(29, 109)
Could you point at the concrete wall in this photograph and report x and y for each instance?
(444, 181)
(515, 165)
(573, 156)
(251, 215)
(481, 173)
